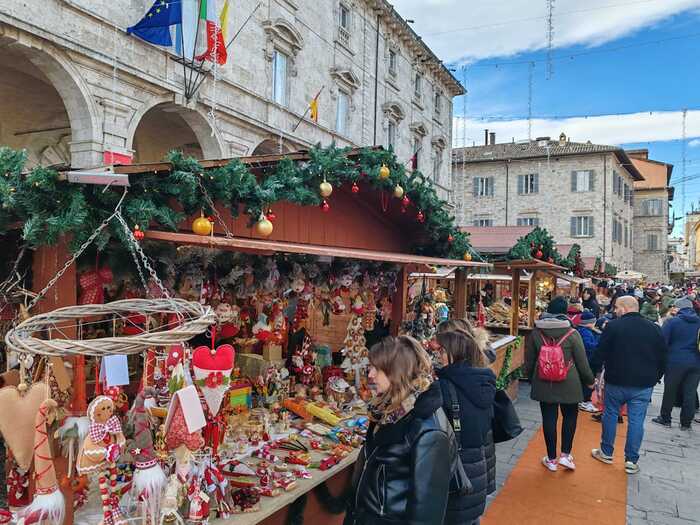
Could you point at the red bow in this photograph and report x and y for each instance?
(214, 379)
(92, 285)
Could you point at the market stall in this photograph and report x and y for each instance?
(212, 322)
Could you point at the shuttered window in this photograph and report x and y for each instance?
(528, 221)
(652, 241)
(483, 222)
(483, 186)
(652, 207)
(582, 226)
(582, 180)
(528, 184)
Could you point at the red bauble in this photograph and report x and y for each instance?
(420, 217)
(270, 215)
(450, 239)
(355, 188)
(210, 219)
(405, 201)
(325, 207)
(138, 233)
(539, 254)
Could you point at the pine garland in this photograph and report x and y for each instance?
(49, 207)
(506, 376)
(539, 244)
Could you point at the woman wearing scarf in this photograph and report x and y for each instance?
(400, 475)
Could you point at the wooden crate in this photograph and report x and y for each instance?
(332, 335)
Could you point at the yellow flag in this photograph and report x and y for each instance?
(223, 21)
(313, 105)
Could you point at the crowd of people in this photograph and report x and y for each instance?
(429, 457)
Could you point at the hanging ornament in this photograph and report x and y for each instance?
(539, 254)
(467, 256)
(270, 215)
(384, 201)
(384, 172)
(138, 233)
(355, 188)
(326, 189)
(405, 201)
(325, 207)
(398, 191)
(263, 227)
(450, 239)
(202, 226)
(420, 217)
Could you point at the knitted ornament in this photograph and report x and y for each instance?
(212, 372)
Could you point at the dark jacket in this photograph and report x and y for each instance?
(570, 390)
(592, 306)
(681, 335)
(475, 389)
(633, 352)
(403, 472)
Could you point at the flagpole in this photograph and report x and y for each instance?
(206, 73)
(188, 92)
(308, 108)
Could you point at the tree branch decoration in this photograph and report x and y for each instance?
(539, 244)
(48, 206)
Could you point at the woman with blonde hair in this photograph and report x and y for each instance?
(400, 475)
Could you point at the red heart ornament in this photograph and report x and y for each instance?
(220, 359)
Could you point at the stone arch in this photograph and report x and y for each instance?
(270, 146)
(50, 71)
(160, 125)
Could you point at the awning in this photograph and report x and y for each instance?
(527, 264)
(263, 247)
(571, 278)
(439, 273)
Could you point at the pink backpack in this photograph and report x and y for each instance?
(550, 362)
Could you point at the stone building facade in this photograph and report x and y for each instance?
(75, 85)
(651, 216)
(581, 193)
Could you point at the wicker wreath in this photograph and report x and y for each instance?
(194, 319)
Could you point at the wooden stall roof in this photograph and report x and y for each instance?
(269, 247)
(528, 265)
(570, 278)
(439, 273)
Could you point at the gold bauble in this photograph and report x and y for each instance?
(384, 172)
(263, 227)
(326, 189)
(398, 191)
(467, 256)
(202, 226)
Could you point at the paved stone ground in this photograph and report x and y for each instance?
(665, 492)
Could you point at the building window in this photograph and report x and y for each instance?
(483, 222)
(617, 231)
(344, 17)
(483, 186)
(652, 242)
(627, 235)
(393, 63)
(437, 164)
(582, 226)
(653, 207)
(528, 184)
(582, 180)
(627, 192)
(418, 87)
(437, 103)
(341, 113)
(279, 78)
(417, 147)
(528, 221)
(391, 135)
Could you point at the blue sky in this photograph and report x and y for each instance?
(629, 56)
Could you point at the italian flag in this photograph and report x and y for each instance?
(216, 47)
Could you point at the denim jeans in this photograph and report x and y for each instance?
(637, 400)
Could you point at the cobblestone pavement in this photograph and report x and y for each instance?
(665, 492)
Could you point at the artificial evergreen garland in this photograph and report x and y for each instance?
(506, 376)
(539, 244)
(49, 207)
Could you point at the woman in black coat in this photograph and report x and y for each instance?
(468, 392)
(404, 471)
(590, 302)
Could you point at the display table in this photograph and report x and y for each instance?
(269, 506)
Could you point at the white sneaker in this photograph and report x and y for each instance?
(549, 464)
(631, 468)
(567, 460)
(587, 406)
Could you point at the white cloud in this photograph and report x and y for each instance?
(500, 28)
(657, 126)
(695, 143)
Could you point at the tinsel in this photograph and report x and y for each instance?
(48, 206)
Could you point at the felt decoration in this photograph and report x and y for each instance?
(212, 371)
(92, 285)
(177, 434)
(17, 414)
(48, 505)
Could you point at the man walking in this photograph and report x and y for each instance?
(633, 353)
(683, 365)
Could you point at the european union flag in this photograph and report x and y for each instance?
(154, 27)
